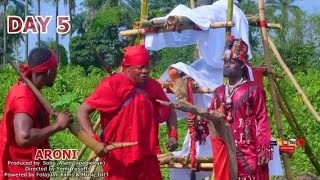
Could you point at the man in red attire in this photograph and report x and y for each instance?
(130, 113)
(25, 126)
(246, 113)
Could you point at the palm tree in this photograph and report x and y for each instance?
(26, 13)
(286, 8)
(78, 24)
(4, 4)
(72, 8)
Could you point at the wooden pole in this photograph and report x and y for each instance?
(100, 59)
(93, 168)
(143, 16)
(275, 104)
(284, 105)
(181, 20)
(83, 148)
(192, 4)
(202, 166)
(217, 125)
(293, 80)
(229, 16)
(255, 21)
(143, 31)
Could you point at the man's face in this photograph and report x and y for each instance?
(51, 76)
(232, 68)
(139, 74)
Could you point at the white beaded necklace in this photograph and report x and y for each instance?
(229, 91)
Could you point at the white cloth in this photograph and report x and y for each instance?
(203, 16)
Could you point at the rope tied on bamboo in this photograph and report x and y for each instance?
(262, 23)
(151, 30)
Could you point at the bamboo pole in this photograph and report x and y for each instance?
(93, 168)
(83, 148)
(255, 21)
(229, 16)
(294, 82)
(192, 4)
(275, 103)
(284, 105)
(143, 16)
(181, 20)
(143, 31)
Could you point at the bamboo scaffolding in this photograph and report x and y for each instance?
(275, 103)
(143, 31)
(183, 20)
(284, 105)
(294, 81)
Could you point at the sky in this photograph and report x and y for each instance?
(47, 9)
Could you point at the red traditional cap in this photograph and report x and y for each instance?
(235, 49)
(136, 56)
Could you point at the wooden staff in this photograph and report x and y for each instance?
(217, 125)
(144, 31)
(202, 166)
(264, 35)
(284, 105)
(100, 59)
(93, 168)
(293, 80)
(83, 148)
(183, 160)
(97, 147)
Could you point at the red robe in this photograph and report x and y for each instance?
(250, 126)
(20, 99)
(135, 121)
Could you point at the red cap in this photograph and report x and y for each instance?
(136, 56)
(235, 49)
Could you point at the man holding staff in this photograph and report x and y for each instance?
(130, 113)
(25, 126)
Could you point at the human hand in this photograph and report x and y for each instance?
(172, 144)
(63, 120)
